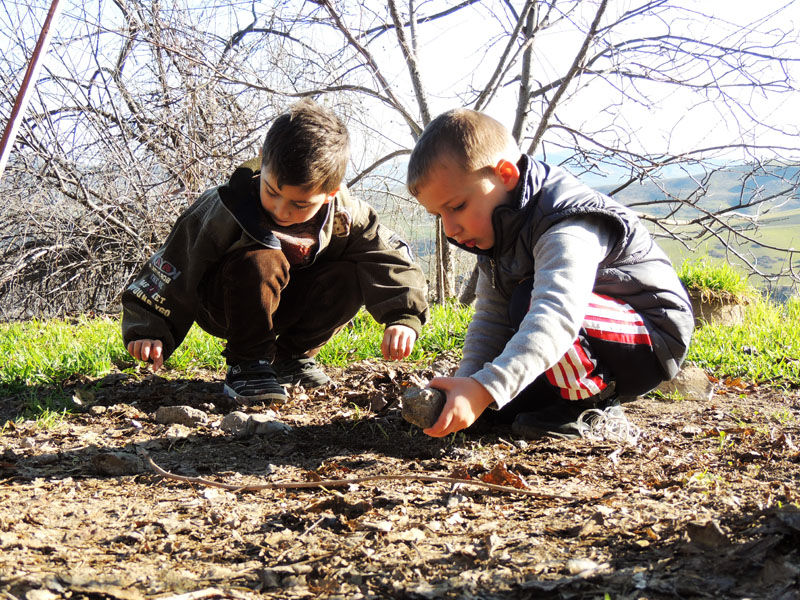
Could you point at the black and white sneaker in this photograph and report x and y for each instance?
(301, 371)
(254, 380)
(557, 420)
(606, 421)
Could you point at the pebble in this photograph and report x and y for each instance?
(265, 426)
(422, 407)
(234, 423)
(238, 424)
(182, 415)
(115, 464)
(691, 383)
(577, 566)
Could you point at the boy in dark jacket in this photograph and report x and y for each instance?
(275, 262)
(577, 307)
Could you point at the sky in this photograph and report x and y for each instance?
(671, 119)
(677, 119)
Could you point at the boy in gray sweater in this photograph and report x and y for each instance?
(577, 307)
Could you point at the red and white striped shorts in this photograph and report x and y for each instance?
(608, 322)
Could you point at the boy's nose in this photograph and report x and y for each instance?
(280, 210)
(450, 227)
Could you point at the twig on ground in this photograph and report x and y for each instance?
(202, 594)
(291, 549)
(325, 483)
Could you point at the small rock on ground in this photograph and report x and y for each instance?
(240, 424)
(691, 383)
(422, 407)
(182, 415)
(266, 426)
(115, 464)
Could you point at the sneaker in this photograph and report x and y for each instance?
(301, 371)
(567, 420)
(254, 380)
(557, 420)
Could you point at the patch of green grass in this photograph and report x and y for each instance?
(52, 352)
(446, 329)
(701, 479)
(673, 396)
(765, 348)
(783, 416)
(358, 340)
(47, 419)
(725, 441)
(45, 352)
(47, 405)
(361, 339)
(198, 351)
(40, 357)
(714, 279)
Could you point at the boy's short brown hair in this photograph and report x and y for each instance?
(308, 146)
(470, 138)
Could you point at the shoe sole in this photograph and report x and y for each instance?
(307, 385)
(541, 430)
(269, 398)
(534, 433)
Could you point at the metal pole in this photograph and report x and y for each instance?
(21, 103)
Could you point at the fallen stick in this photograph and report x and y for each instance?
(325, 483)
(197, 595)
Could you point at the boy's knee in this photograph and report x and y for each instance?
(251, 266)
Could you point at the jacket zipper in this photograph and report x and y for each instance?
(493, 265)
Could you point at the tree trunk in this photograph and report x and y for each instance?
(468, 293)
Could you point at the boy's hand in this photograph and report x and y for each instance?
(466, 400)
(398, 342)
(152, 350)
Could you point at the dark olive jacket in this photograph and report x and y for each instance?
(162, 301)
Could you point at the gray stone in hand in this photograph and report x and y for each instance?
(422, 407)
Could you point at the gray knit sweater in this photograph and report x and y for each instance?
(566, 258)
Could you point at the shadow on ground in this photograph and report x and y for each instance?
(687, 513)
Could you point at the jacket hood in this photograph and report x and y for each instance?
(237, 196)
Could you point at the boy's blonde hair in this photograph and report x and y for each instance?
(470, 138)
(308, 146)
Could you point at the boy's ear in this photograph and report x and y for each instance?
(331, 195)
(508, 172)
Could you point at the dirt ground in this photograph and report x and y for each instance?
(705, 505)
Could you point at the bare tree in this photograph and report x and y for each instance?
(620, 59)
(145, 104)
(135, 115)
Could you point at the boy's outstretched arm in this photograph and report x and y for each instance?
(398, 342)
(466, 401)
(152, 350)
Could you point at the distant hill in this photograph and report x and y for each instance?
(779, 218)
(729, 187)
